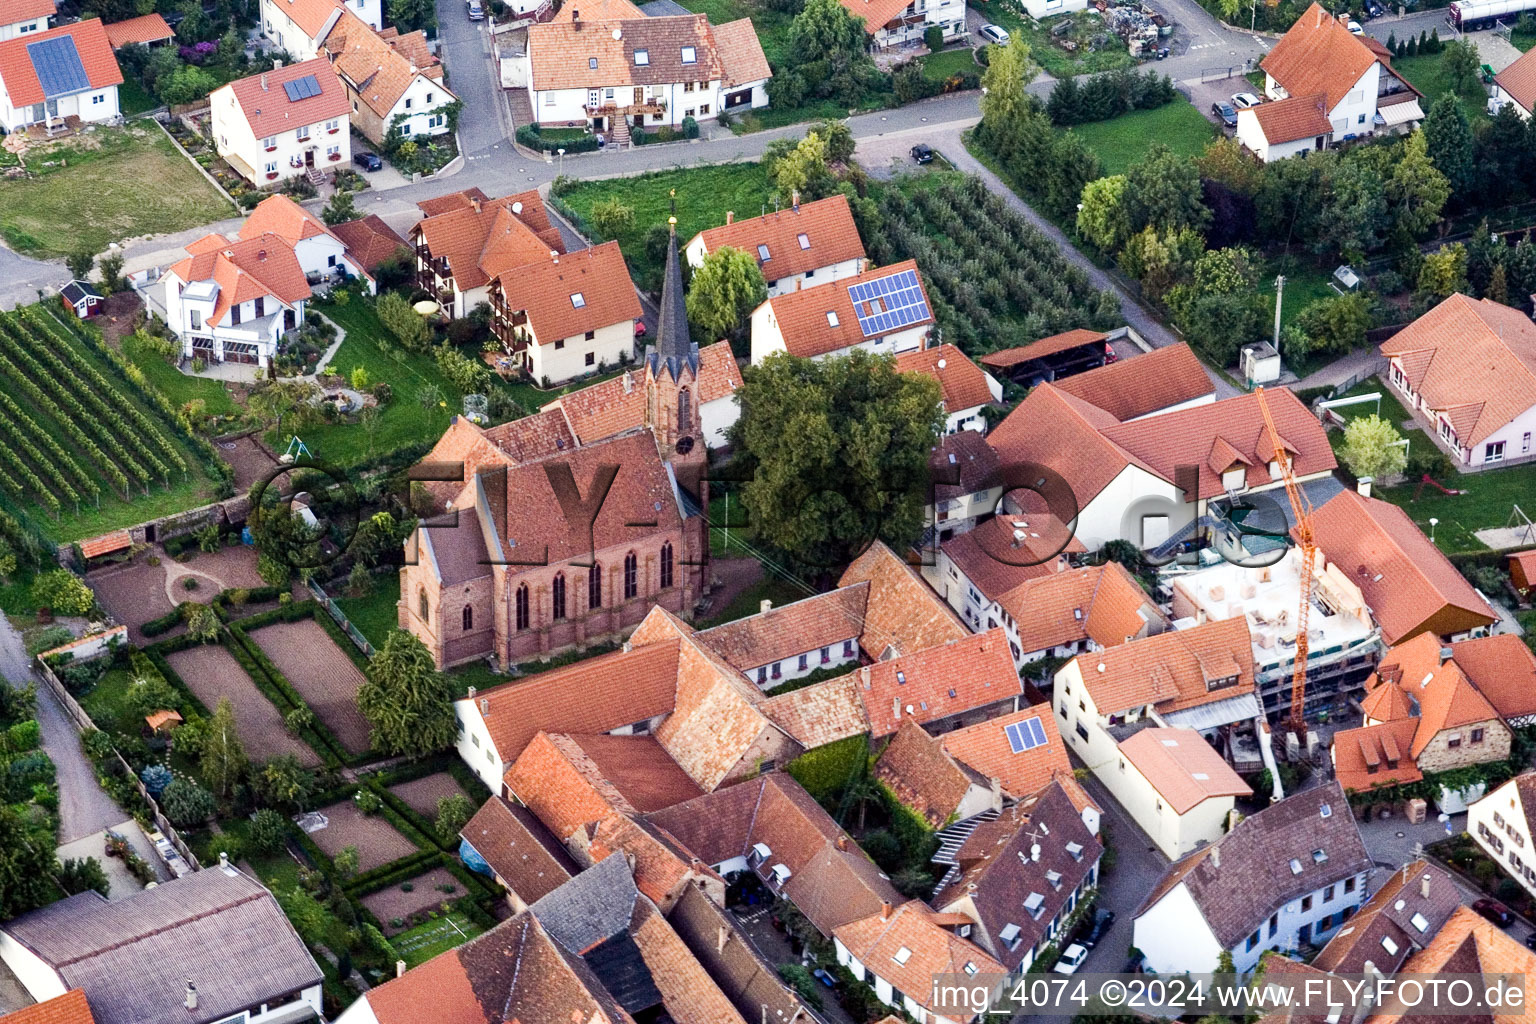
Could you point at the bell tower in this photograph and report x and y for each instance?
(672, 376)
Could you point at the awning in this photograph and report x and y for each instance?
(1242, 708)
(1399, 113)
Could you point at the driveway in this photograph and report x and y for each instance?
(485, 123)
(22, 277)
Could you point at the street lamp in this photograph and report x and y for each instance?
(561, 151)
(1433, 522)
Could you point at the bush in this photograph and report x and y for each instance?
(76, 876)
(453, 813)
(933, 38)
(64, 592)
(299, 719)
(530, 136)
(883, 848)
(186, 803)
(368, 802)
(690, 127)
(48, 639)
(23, 736)
(268, 831)
(396, 314)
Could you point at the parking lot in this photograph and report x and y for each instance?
(1203, 94)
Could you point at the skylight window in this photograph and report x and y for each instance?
(902, 955)
(1202, 776)
(970, 968)
(642, 58)
(901, 678)
(592, 63)
(832, 318)
(578, 300)
(1325, 811)
(1420, 922)
(690, 55)
(1295, 866)
(1388, 945)
(762, 254)
(805, 240)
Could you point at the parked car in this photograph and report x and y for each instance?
(1354, 28)
(1374, 9)
(1103, 921)
(476, 10)
(922, 153)
(1494, 911)
(1225, 113)
(639, 328)
(1530, 941)
(1244, 100)
(367, 161)
(994, 34)
(1071, 959)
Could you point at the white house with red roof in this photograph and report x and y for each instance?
(321, 254)
(884, 311)
(890, 23)
(285, 122)
(58, 73)
(300, 26)
(802, 245)
(965, 388)
(232, 301)
(25, 17)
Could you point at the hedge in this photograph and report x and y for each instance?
(254, 595)
(417, 821)
(396, 871)
(156, 657)
(165, 623)
(826, 771)
(530, 136)
(270, 680)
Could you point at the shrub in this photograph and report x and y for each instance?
(268, 831)
(23, 736)
(690, 127)
(368, 802)
(299, 719)
(396, 314)
(933, 38)
(155, 778)
(453, 813)
(186, 803)
(883, 848)
(228, 844)
(47, 639)
(76, 876)
(64, 592)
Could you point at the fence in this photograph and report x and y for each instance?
(329, 604)
(83, 723)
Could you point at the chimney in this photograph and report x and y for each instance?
(721, 938)
(628, 646)
(485, 706)
(190, 1002)
(730, 217)
(263, 83)
(261, 256)
(576, 19)
(476, 204)
(794, 200)
(277, 65)
(399, 968)
(864, 676)
(1424, 887)
(471, 693)
(1363, 485)
(765, 606)
(896, 708)
(1216, 856)
(842, 842)
(554, 254)
(885, 910)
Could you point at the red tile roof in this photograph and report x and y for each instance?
(1518, 81)
(560, 52)
(939, 682)
(962, 383)
(1101, 603)
(1408, 584)
(985, 748)
(518, 848)
(462, 200)
(1468, 943)
(1291, 119)
(923, 777)
(803, 315)
(1472, 359)
(822, 620)
(380, 70)
(1172, 671)
(369, 241)
(874, 13)
(27, 10)
(932, 950)
(831, 237)
(69, 1008)
(1010, 357)
(599, 10)
(482, 239)
(1503, 669)
(107, 543)
(1319, 55)
(1375, 755)
(19, 76)
(146, 28)
(814, 716)
(618, 404)
(1142, 384)
(546, 288)
(281, 216)
(261, 266)
(1522, 566)
(982, 554)
(312, 16)
(265, 105)
(574, 780)
(1182, 767)
(741, 53)
(902, 613)
(1064, 434)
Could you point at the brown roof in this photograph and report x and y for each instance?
(312, 16)
(1418, 890)
(660, 864)
(166, 716)
(1293, 118)
(1173, 670)
(963, 463)
(938, 682)
(106, 544)
(258, 267)
(518, 848)
(1102, 603)
(1525, 562)
(265, 105)
(482, 239)
(902, 613)
(547, 291)
(823, 620)
(874, 13)
(1473, 360)
(1467, 943)
(1143, 384)
(1319, 55)
(18, 75)
(923, 777)
(1407, 583)
(827, 224)
(1518, 81)
(1378, 755)
(688, 993)
(962, 383)
(575, 780)
(1182, 767)
(1256, 876)
(1446, 698)
(933, 950)
(1503, 669)
(1064, 434)
(804, 319)
(461, 200)
(717, 940)
(985, 748)
(69, 1008)
(560, 53)
(1007, 358)
(380, 70)
(146, 28)
(281, 216)
(370, 241)
(987, 558)
(814, 716)
(741, 53)
(1385, 702)
(618, 404)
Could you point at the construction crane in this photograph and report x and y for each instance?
(1301, 508)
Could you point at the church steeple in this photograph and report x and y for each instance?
(674, 346)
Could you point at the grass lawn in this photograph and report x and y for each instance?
(108, 705)
(1427, 73)
(1521, 41)
(1123, 140)
(1043, 47)
(1490, 497)
(749, 601)
(704, 194)
(772, 26)
(425, 941)
(114, 184)
(374, 615)
(133, 100)
(178, 386)
(941, 66)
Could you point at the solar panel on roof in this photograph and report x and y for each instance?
(1025, 735)
(302, 88)
(58, 66)
(888, 303)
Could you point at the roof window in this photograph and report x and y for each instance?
(1054, 877)
(642, 58)
(1035, 905)
(578, 300)
(762, 254)
(1295, 866)
(592, 63)
(1009, 936)
(805, 240)
(1075, 850)
(902, 956)
(1319, 856)
(1325, 811)
(832, 318)
(690, 55)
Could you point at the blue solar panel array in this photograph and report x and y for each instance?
(58, 66)
(896, 302)
(302, 88)
(1025, 735)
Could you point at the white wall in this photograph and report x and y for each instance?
(474, 745)
(717, 416)
(810, 279)
(789, 668)
(93, 105)
(1050, 8)
(1498, 824)
(232, 137)
(421, 103)
(321, 254)
(568, 106)
(1355, 114)
(1518, 436)
(358, 1013)
(1174, 937)
(1251, 136)
(1132, 490)
(23, 28)
(768, 338)
(307, 1007)
(571, 358)
(40, 980)
(1175, 834)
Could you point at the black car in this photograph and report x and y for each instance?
(1102, 922)
(1225, 113)
(1374, 9)
(922, 153)
(368, 161)
(1530, 941)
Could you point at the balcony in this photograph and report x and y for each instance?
(648, 108)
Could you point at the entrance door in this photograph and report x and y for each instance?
(639, 95)
(1304, 934)
(309, 158)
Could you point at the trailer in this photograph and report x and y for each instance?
(1467, 15)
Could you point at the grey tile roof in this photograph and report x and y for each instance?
(133, 957)
(747, 979)
(594, 906)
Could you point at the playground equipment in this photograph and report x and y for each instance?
(1437, 485)
(297, 449)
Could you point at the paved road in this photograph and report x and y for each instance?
(83, 807)
(21, 278)
(466, 50)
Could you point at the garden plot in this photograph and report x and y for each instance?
(423, 794)
(211, 672)
(376, 840)
(133, 595)
(322, 674)
(399, 903)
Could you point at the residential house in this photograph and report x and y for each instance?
(169, 948)
(1469, 942)
(976, 568)
(1345, 642)
(664, 869)
(282, 123)
(1408, 584)
(49, 75)
(26, 17)
(770, 826)
(508, 842)
(1515, 85)
(233, 301)
(641, 72)
(394, 83)
(966, 483)
(81, 298)
(1402, 917)
(902, 615)
(1327, 86)
(802, 245)
(466, 240)
(370, 242)
(145, 30)
(883, 311)
(894, 23)
(1503, 823)
(1284, 878)
(1158, 481)
(942, 688)
(902, 951)
(1058, 614)
(566, 315)
(1469, 366)
(299, 27)
(1018, 880)
(1199, 678)
(964, 388)
(1055, 358)
(1163, 380)
(69, 1008)
(321, 253)
(1180, 790)
(791, 641)
(1522, 572)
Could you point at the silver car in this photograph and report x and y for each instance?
(994, 34)
(476, 10)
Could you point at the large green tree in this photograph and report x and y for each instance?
(1004, 101)
(1354, 214)
(1449, 141)
(1373, 447)
(824, 30)
(406, 700)
(27, 863)
(1416, 191)
(223, 762)
(724, 291)
(1162, 190)
(835, 453)
(1103, 218)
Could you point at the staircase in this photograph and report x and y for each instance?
(316, 176)
(619, 136)
(950, 841)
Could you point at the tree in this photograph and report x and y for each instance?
(1354, 214)
(1065, 105)
(800, 170)
(408, 703)
(1416, 191)
(1162, 190)
(274, 401)
(405, 323)
(285, 543)
(1103, 218)
(64, 592)
(1372, 447)
(1443, 273)
(1074, 166)
(725, 290)
(409, 15)
(611, 217)
(223, 761)
(430, 396)
(186, 803)
(148, 694)
(838, 138)
(1498, 286)
(835, 453)
(1335, 325)
(453, 813)
(27, 863)
(1225, 161)
(1004, 101)
(345, 864)
(202, 623)
(76, 876)
(823, 30)
(80, 264)
(1448, 139)
(111, 266)
(378, 535)
(268, 831)
(1460, 61)
(341, 209)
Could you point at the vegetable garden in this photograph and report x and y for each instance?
(995, 280)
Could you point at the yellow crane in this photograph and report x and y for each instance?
(1301, 508)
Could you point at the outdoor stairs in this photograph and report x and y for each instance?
(619, 137)
(316, 177)
(950, 841)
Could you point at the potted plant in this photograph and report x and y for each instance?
(271, 175)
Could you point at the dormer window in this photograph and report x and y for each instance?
(690, 55)
(578, 300)
(760, 852)
(780, 875)
(1035, 905)
(642, 58)
(1319, 856)
(1053, 877)
(1009, 936)
(1075, 850)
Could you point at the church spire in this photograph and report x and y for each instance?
(674, 346)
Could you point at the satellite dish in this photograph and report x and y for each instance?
(426, 307)
(618, 34)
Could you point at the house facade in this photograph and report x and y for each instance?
(26, 17)
(234, 301)
(466, 240)
(884, 311)
(900, 951)
(965, 389)
(965, 483)
(393, 81)
(282, 123)
(47, 75)
(1503, 823)
(802, 245)
(1177, 788)
(892, 23)
(322, 256)
(300, 26)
